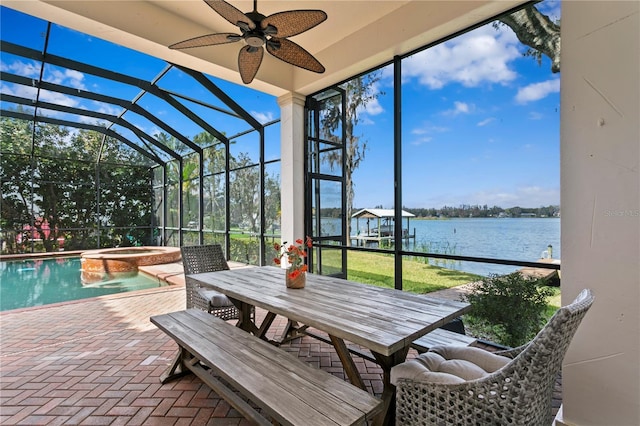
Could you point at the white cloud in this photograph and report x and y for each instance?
(423, 134)
(486, 121)
(373, 107)
(535, 115)
(421, 141)
(28, 92)
(262, 117)
(105, 108)
(480, 56)
(428, 128)
(57, 98)
(459, 108)
(25, 69)
(537, 91)
(66, 77)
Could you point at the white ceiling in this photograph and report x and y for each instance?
(358, 34)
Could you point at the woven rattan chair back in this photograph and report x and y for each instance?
(205, 258)
(520, 393)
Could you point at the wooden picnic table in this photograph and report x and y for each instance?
(384, 321)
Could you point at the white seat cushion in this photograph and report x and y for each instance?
(216, 299)
(449, 364)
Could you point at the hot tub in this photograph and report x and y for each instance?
(107, 264)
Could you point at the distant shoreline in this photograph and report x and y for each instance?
(481, 217)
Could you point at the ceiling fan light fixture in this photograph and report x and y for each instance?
(255, 40)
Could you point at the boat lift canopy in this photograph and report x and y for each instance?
(379, 214)
(384, 229)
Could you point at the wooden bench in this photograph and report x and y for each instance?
(287, 390)
(440, 336)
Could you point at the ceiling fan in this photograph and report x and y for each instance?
(259, 31)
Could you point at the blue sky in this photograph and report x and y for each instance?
(480, 120)
(480, 126)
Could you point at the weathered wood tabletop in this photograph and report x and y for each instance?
(385, 321)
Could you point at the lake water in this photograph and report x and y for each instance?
(523, 239)
(35, 282)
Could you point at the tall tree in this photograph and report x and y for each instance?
(536, 30)
(360, 91)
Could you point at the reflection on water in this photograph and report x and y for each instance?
(37, 282)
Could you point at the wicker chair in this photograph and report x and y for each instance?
(206, 258)
(516, 390)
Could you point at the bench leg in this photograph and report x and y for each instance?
(176, 369)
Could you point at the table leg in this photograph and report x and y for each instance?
(266, 323)
(245, 322)
(347, 362)
(248, 324)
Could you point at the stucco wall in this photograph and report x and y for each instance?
(600, 183)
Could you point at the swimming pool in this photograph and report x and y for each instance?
(35, 282)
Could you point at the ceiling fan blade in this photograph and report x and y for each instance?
(249, 61)
(290, 52)
(207, 40)
(230, 13)
(293, 22)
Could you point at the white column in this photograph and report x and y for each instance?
(292, 165)
(600, 181)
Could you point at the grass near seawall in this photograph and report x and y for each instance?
(378, 269)
(418, 277)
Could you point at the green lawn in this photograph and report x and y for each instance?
(418, 277)
(378, 269)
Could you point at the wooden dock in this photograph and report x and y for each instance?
(552, 275)
(364, 239)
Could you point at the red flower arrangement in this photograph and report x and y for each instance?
(296, 255)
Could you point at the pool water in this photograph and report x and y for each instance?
(36, 282)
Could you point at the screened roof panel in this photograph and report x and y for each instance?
(152, 129)
(84, 81)
(153, 110)
(173, 118)
(84, 48)
(18, 65)
(142, 140)
(18, 107)
(218, 120)
(72, 117)
(33, 32)
(262, 106)
(177, 81)
(114, 151)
